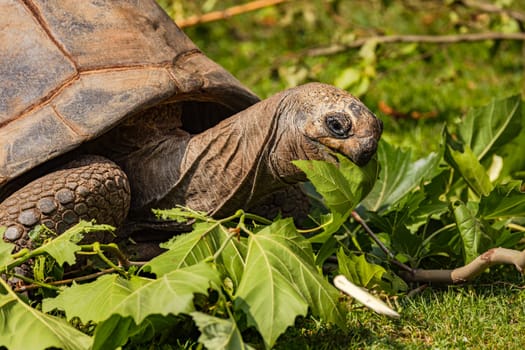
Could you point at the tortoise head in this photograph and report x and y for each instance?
(333, 120)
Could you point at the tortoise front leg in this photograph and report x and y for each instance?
(89, 188)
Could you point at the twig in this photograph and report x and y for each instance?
(417, 290)
(432, 39)
(37, 284)
(388, 253)
(491, 8)
(227, 13)
(66, 281)
(473, 269)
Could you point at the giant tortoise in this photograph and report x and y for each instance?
(108, 110)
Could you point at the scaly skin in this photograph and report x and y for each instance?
(89, 188)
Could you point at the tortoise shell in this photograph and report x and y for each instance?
(70, 71)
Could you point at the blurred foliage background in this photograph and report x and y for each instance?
(412, 86)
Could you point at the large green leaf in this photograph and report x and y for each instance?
(63, 247)
(218, 333)
(186, 249)
(398, 176)
(342, 186)
(470, 231)
(117, 331)
(513, 161)
(199, 245)
(280, 281)
(476, 235)
(23, 327)
(487, 128)
(358, 270)
(233, 258)
(113, 332)
(462, 159)
(137, 297)
(366, 274)
(504, 201)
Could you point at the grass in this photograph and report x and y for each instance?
(458, 317)
(487, 315)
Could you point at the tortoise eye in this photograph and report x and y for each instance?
(339, 125)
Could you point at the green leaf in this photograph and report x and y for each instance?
(398, 176)
(199, 245)
(186, 249)
(280, 281)
(113, 332)
(5, 250)
(360, 180)
(469, 230)
(358, 270)
(137, 297)
(218, 333)
(63, 247)
(347, 78)
(342, 187)
(505, 201)
(475, 234)
(488, 128)
(514, 162)
(331, 223)
(233, 258)
(462, 159)
(422, 205)
(23, 327)
(366, 274)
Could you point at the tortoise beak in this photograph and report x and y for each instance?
(364, 150)
(365, 147)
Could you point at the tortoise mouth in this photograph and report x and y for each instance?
(329, 153)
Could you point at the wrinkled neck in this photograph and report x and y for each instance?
(285, 148)
(228, 166)
(290, 143)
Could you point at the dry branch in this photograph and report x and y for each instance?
(492, 8)
(25, 288)
(495, 256)
(376, 239)
(227, 13)
(432, 39)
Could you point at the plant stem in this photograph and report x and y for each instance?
(376, 239)
(115, 250)
(435, 233)
(223, 246)
(313, 229)
(353, 238)
(258, 218)
(99, 251)
(33, 282)
(516, 227)
(22, 259)
(67, 281)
